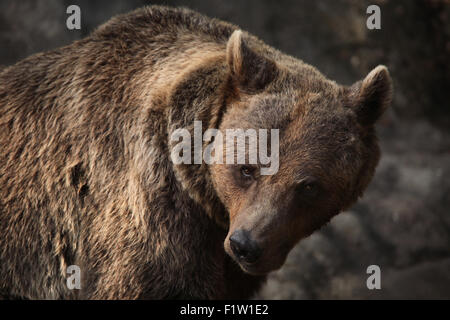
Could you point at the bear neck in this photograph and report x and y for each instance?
(200, 95)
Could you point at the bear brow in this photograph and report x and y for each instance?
(272, 111)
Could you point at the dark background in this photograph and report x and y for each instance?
(403, 222)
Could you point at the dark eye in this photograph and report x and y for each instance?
(309, 188)
(247, 172)
(244, 176)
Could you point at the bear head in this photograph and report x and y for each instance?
(325, 150)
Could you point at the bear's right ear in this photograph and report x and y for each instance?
(250, 70)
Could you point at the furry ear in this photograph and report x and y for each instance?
(372, 96)
(250, 70)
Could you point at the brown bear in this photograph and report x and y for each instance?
(87, 178)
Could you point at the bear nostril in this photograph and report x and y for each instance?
(238, 249)
(243, 247)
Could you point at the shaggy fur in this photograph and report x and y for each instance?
(85, 171)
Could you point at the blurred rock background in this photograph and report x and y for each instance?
(403, 222)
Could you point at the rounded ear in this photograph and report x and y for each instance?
(371, 96)
(250, 70)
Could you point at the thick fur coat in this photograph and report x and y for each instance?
(86, 177)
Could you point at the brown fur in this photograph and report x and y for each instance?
(85, 170)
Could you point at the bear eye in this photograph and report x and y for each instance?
(244, 176)
(309, 188)
(247, 172)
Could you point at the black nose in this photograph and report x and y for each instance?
(243, 247)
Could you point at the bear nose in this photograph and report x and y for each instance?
(243, 247)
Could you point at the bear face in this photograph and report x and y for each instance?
(326, 152)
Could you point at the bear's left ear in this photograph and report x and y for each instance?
(371, 96)
(250, 70)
